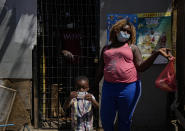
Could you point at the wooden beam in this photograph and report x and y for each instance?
(35, 97)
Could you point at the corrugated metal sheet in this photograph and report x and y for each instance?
(18, 36)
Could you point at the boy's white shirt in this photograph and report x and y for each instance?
(77, 111)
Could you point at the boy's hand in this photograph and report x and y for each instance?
(88, 97)
(73, 94)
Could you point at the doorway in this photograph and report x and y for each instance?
(71, 25)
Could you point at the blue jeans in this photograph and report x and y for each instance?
(121, 98)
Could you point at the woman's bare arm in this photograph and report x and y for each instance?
(141, 65)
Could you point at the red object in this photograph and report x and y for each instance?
(71, 41)
(167, 78)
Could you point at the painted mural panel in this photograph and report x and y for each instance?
(153, 31)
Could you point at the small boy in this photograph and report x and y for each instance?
(81, 103)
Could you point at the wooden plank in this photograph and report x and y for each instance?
(56, 107)
(54, 100)
(23, 87)
(19, 115)
(180, 117)
(35, 89)
(7, 96)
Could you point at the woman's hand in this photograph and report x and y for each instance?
(165, 52)
(67, 54)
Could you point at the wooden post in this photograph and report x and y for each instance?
(35, 97)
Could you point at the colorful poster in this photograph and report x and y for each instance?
(153, 31)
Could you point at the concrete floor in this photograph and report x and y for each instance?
(32, 129)
(56, 130)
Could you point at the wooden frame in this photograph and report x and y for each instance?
(7, 96)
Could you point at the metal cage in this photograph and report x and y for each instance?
(64, 25)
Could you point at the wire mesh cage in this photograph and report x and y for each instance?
(71, 25)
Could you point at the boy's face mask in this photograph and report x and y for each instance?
(123, 36)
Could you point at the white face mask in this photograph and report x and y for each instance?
(123, 36)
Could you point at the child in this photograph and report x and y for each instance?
(81, 103)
